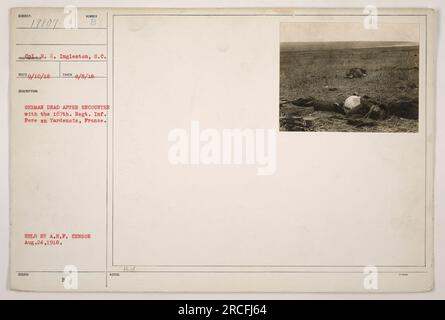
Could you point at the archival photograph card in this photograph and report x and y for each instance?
(222, 150)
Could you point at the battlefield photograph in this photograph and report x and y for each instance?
(349, 86)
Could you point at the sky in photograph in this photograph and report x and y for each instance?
(347, 31)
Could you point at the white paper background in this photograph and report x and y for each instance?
(438, 292)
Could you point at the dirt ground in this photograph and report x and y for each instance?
(393, 73)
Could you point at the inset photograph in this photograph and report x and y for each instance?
(344, 78)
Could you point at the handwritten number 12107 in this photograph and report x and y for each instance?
(44, 23)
